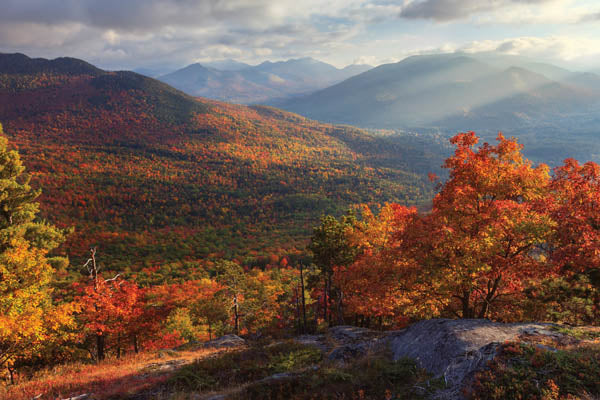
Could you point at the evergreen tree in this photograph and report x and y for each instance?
(331, 248)
(231, 276)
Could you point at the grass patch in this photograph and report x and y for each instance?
(525, 371)
(306, 375)
(577, 332)
(373, 377)
(237, 368)
(108, 379)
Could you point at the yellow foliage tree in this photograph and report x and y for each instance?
(28, 316)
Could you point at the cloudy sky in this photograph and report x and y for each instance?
(126, 34)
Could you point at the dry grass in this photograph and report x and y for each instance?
(111, 378)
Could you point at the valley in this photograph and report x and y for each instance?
(151, 175)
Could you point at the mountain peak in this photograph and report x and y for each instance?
(226, 65)
(267, 82)
(17, 63)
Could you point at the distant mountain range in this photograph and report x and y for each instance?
(226, 65)
(540, 103)
(454, 92)
(267, 82)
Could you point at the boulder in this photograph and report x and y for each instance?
(456, 349)
(453, 350)
(226, 341)
(349, 343)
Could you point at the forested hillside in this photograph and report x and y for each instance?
(151, 175)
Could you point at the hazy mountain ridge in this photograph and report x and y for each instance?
(458, 92)
(241, 83)
(426, 90)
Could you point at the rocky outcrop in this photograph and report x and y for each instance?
(456, 349)
(451, 349)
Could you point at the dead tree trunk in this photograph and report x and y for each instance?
(93, 270)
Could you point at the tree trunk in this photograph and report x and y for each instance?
(316, 316)
(492, 287)
(236, 315)
(118, 346)
(298, 322)
(11, 372)
(325, 301)
(100, 346)
(303, 300)
(330, 320)
(209, 331)
(340, 309)
(467, 310)
(135, 344)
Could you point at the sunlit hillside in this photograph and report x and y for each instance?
(151, 175)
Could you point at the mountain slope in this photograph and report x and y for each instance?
(241, 83)
(150, 175)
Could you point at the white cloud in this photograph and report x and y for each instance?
(109, 32)
(553, 48)
(448, 10)
(368, 60)
(495, 11)
(131, 33)
(111, 37)
(263, 52)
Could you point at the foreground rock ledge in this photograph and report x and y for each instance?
(452, 349)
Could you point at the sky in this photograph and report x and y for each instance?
(169, 34)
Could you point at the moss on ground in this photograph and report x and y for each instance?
(532, 371)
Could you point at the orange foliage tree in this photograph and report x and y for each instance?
(576, 195)
(483, 240)
(486, 223)
(372, 286)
